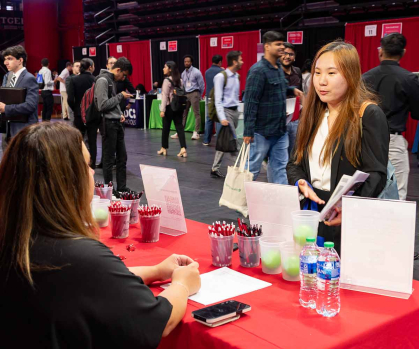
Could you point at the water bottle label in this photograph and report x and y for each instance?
(328, 270)
(308, 268)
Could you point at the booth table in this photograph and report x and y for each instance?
(276, 320)
(157, 122)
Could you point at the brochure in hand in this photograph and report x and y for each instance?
(346, 186)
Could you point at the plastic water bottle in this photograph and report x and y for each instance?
(328, 273)
(308, 273)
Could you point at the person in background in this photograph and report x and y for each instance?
(294, 78)
(265, 111)
(155, 89)
(60, 285)
(306, 75)
(63, 91)
(108, 103)
(76, 68)
(125, 85)
(172, 80)
(111, 61)
(15, 61)
(36, 74)
(77, 85)
(398, 90)
(227, 102)
(46, 93)
(76, 72)
(194, 88)
(333, 140)
(140, 88)
(211, 72)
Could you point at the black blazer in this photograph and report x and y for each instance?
(374, 157)
(76, 88)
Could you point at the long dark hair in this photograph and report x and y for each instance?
(347, 125)
(44, 189)
(174, 72)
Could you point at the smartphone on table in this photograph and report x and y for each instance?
(221, 313)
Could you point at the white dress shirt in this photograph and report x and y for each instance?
(48, 81)
(226, 96)
(64, 75)
(320, 172)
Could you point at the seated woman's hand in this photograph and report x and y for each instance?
(188, 276)
(308, 192)
(165, 269)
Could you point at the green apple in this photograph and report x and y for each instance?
(292, 265)
(302, 232)
(101, 215)
(271, 259)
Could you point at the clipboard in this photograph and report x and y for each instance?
(11, 95)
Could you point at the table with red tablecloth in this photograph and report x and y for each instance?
(276, 320)
(57, 103)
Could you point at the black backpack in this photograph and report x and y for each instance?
(179, 97)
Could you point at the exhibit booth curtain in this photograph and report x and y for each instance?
(100, 59)
(185, 46)
(245, 42)
(367, 47)
(138, 53)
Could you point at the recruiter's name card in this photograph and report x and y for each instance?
(162, 188)
(224, 283)
(378, 241)
(270, 205)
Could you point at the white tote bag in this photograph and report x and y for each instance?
(234, 194)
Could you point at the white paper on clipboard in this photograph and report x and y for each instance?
(378, 240)
(162, 188)
(270, 205)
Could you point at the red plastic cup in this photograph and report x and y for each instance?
(120, 224)
(150, 228)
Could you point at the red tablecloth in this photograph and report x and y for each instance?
(276, 319)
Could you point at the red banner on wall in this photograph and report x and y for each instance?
(295, 38)
(389, 28)
(227, 42)
(172, 46)
(92, 51)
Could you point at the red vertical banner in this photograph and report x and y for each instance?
(92, 51)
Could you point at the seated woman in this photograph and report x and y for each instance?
(141, 89)
(60, 286)
(333, 140)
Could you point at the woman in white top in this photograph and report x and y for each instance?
(332, 139)
(171, 81)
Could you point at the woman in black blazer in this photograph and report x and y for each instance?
(332, 138)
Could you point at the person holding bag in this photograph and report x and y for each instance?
(333, 140)
(226, 95)
(167, 112)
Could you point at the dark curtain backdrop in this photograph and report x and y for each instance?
(138, 52)
(100, 59)
(313, 40)
(245, 42)
(185, 46)
(367, 49)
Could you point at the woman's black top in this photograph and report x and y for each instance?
(92, 301)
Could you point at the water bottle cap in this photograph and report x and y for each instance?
(311, 239)
(329, 244)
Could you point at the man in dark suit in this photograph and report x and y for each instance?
(18, 77)
(398, 90)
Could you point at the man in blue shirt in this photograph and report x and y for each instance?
(209, 79)
(226, 95)
(194, 85)
(265, 111)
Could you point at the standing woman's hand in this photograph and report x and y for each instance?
(308, 192)
(162, 114)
